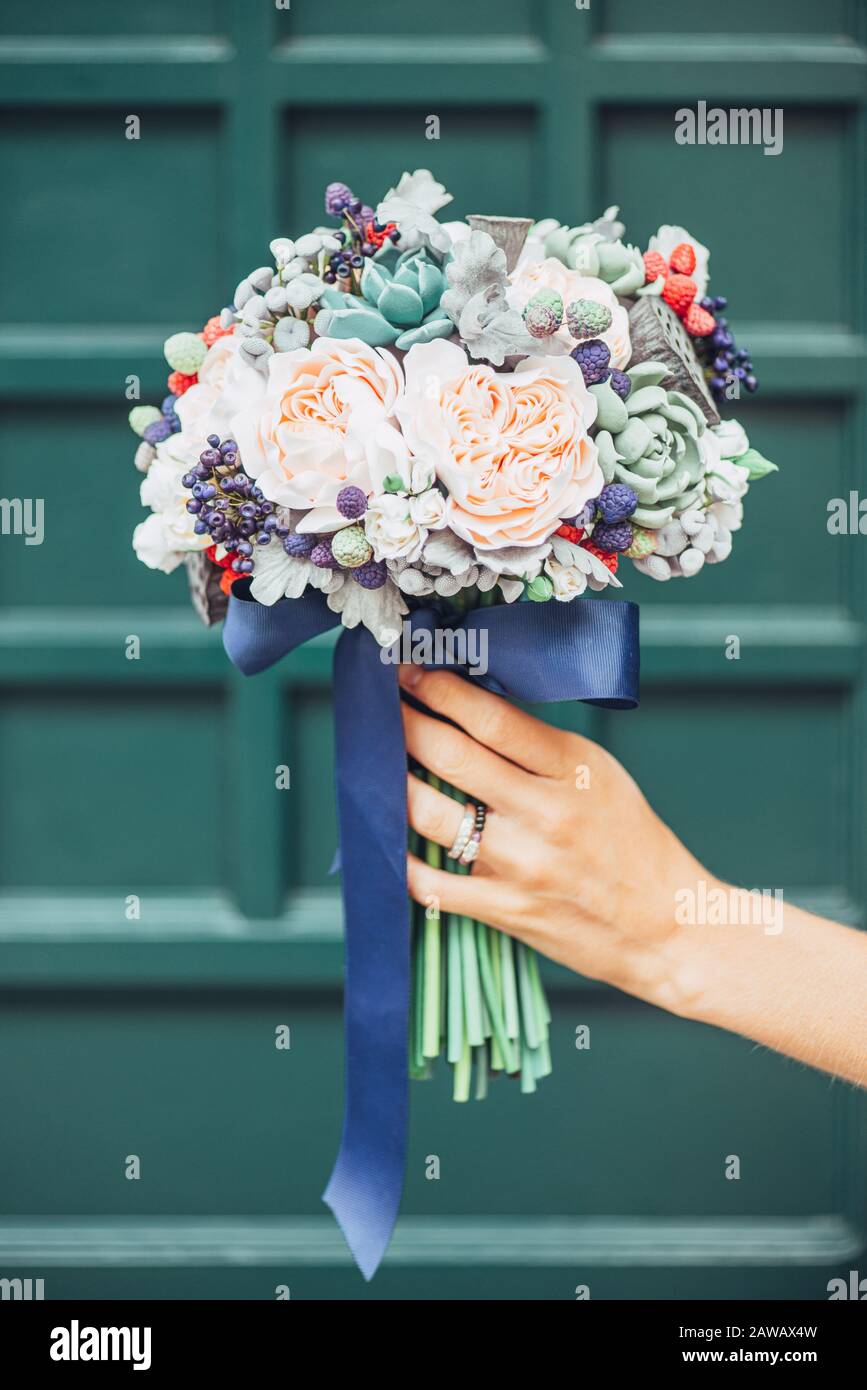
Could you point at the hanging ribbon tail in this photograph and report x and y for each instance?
(365, 1188)
(535, 652)
(366, 1185)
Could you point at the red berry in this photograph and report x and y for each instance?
(570, 533)
(214, 330)
(178, 383)
(654, 266)
(679, 291)
(682, 259)
(698, 321)
(608, 557)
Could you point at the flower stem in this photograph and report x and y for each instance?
(530, 1030)
(463, 1072)
(498, 1059)
(510, 988)
(455, 995)
(486, 972)
(481, 1055)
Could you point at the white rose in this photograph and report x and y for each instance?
(391, 530)
(162, 540)
(569, 581)
(728, 482)
(732, 438)
(429, 509)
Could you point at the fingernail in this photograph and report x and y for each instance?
(409, 676)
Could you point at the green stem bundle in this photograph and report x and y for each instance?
(478, 997)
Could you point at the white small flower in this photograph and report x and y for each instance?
(162, 539)
(422, 476)
(568, 580)
(429, 509)
(391, 530)
(412, 205)
(728, 481)
(732, 438)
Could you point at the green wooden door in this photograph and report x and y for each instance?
(154, 1036)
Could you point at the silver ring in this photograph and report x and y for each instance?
(462, 839)
(471, 848)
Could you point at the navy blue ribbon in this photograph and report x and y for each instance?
(583, 650)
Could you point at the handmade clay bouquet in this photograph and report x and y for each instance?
(403, 425)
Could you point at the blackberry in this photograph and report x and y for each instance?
(593, 358)
(616, 502)
(371, 575)
(351, 502)
(300, 545)
(620, 382)
(612, 537)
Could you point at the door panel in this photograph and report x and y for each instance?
(149, 1031)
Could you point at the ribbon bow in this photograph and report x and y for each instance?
(583, 650)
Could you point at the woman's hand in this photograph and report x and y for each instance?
(572, 860)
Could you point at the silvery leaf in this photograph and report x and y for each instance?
(291, 333)
(476, 265)
(517, 560)
(380, 610)
(447, 551)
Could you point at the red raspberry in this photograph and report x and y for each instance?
(570, 533)
(679, 291)
(682, 259)
(608, 557)
(213, 330)
(178, 383)
(654, 266)
(698, 321)
(379, 239)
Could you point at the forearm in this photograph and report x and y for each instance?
(801, 990)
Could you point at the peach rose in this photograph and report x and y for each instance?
(307, 436)
(533, 273)
(511, 447)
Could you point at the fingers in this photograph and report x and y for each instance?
(455, 758)
(485, 899)
(433, 814)
(489, 719)
(438, 817)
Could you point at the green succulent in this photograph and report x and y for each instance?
(399, 304)
(654, 442)
(580, 248)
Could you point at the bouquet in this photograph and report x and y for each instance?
(423, 430)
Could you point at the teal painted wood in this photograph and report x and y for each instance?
(156, 1035)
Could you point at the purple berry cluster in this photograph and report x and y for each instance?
(356, 245)
(234, 512)
(166, 427)
(228, 506)
(720, 355)
(615, 505)
(594, 358)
